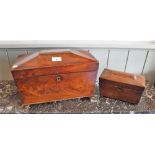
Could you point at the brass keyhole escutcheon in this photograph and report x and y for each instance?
(58, 78)
(120, 89)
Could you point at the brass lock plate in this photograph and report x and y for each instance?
(58, 78)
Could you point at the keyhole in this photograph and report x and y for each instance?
(58, 78)
(120, 89)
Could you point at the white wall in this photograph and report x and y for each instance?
(138, 61)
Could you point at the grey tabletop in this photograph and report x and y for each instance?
(10, 102)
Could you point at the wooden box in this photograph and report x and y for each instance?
(55, 75)
(122, 86)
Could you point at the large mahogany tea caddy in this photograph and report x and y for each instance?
(54, 75)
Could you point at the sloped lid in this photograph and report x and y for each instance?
(52, 58)
(124, 78)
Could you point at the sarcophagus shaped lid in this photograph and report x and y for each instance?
(54, 62)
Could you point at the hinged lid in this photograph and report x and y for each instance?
(124, 79)
(55, 61)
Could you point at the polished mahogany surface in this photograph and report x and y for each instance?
(55, 75)
(122, 86)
